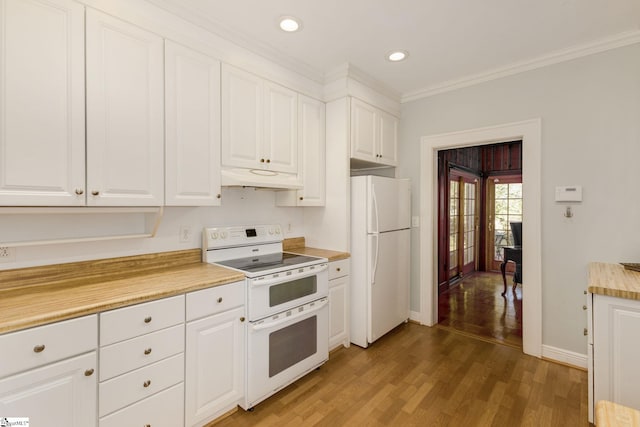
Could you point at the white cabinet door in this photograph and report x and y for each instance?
(214, 378)
(125, 113)
(192, 147)
(59, 395)
(281, 128)
(42, 139)
(312, 155)
(388, 139)
(616, 322)
(242, 118)
(364, 131)
(338, 312)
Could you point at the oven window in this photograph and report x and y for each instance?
(292, 344)
(291, 291)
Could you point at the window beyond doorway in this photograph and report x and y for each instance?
(504, 206)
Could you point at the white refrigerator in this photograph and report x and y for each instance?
(380, 256)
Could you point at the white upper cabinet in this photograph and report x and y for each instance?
(125, 113)
(312, 155)
(388, 139)
(192, 144)
(259, 123)
(42, 145)
(281, 128)
(374, 134)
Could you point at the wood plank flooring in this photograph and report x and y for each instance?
(476, 306)
(421, 376)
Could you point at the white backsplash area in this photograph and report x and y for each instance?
(240, 206)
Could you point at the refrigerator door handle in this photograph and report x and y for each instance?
(374, 200)
(375, 258)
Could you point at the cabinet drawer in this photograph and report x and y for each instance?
(124, 323)
(215, 300)
(339, 268)
(45, 344)
(128, 355)
(165, 409)
(141, 383)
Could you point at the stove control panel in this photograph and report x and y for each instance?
(222, 237)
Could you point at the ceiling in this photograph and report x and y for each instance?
(448, 41)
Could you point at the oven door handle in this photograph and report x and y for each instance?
(319, 305)
(287, 278)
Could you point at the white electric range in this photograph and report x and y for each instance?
(287, 305)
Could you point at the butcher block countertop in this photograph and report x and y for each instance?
(613, 280)
(296, 245)
(38, 295)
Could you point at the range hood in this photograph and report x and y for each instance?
(259, 178)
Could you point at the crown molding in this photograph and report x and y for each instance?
(220, 29)
(578, 51)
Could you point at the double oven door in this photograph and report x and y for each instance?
(288, 332)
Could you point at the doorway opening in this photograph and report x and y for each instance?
(530, 133)
(480, 195)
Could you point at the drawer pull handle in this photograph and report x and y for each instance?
(146, 384)
(147, 351)
(88, 372)
(95, 192)
(147, 425)
(338, 269)
(147, 319)
(38, 348)
(219, 299)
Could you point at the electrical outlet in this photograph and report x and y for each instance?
(6, 254)
(185, 234)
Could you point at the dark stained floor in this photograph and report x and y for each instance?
(475, 306)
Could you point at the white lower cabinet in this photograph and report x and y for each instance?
(48, 374)
(215, 352)
(164, 409)
(61, 394)
(615, 370)
(142, 364)
(339, 303)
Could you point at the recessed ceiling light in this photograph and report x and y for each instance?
(290, 24)
(397, 55)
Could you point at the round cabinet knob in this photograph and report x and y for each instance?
(219, 196)
(147, 351)
(219, 300)
(261, 160)
(38, 348)
(88, 372)
(584, 307)
(146, 384)
(301, 198)
(79, 191)
(147, 319)
(95, 192)
(268, 160)
(337, 268)
(242, 319)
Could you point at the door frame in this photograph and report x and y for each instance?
(530, 132)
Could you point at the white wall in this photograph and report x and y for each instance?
(590, 111)
(240, 206)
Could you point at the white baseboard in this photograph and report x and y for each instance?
(564, 356)
(416, 316)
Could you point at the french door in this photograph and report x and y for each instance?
(504, 205)
(463, 223)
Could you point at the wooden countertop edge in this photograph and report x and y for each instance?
(617, 293)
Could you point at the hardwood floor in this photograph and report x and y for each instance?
(421, 376)
(476, 306)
